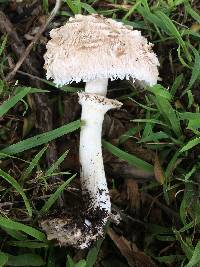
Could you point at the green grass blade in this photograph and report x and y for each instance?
(32, 165)
(13, 101)
(176, 84)
(148, 127)
(40, 139)
(21, 93)
(129, 134)
(192, 12)
(81, 263)
(146, 5)
(195, 69)
(70, 262)
(152, 18)
(15, 234)
(135, 24)
(195, 257)
(189, 116)
(171, 164)
(51, 260)
(189, 225)
(159, 90)
(154, 137)
(3, 259)
(153, 121)
(25, 260)
(162, 21)
(3, 45)
(88, 8)
(70, 89)
(131, 159)
(190, 144)
(55, 196)
(131, 10)
(27, 244)
(56, 164)
(169, 114)
(186, 247)
(18, 188)
(45, 6)
(73, 6)
(93, 254)
(194, 124)
(185, 203)
(10, 224)
(169, 260)
(171, 29)
(142, 105)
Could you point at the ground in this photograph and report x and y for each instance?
(150, 146)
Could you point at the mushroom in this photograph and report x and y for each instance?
(94, 49)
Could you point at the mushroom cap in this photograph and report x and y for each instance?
(94, 47)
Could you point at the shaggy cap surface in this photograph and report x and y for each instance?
(94, 47)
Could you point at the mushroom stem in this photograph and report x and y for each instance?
(98, 87)
(93, 180)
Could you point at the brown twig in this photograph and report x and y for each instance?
(34, 41)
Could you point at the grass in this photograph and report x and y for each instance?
(167, 125)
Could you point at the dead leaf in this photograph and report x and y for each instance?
(134, 257)
(133, 194)
(195, 27)
(158, 171)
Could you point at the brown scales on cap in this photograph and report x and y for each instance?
(94, 47)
